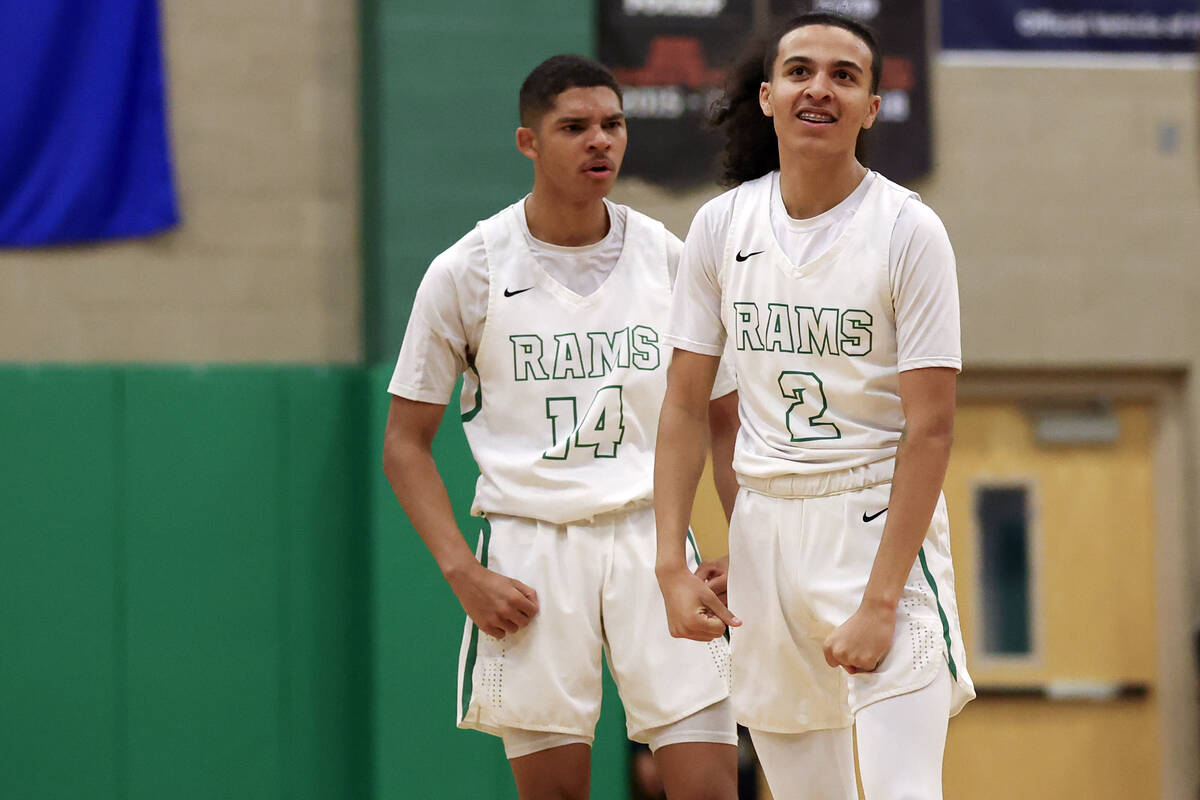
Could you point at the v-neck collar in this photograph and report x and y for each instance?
(844, 239)
(547, 281)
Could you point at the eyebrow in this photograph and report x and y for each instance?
(620, 115)
(843, 63)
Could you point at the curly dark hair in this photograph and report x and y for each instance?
(751, 148)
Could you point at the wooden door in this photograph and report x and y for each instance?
(1065, 664)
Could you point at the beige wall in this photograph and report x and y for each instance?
(263, 99)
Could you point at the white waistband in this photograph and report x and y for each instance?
(823, 484)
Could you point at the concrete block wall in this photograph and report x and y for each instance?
(263, 115)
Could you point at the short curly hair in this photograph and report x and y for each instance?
(554, 76)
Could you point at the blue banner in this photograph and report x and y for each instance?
(82, 122)
(1099, 26)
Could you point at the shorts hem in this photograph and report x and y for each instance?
(635, 735)
(497, 728)
(803, 727)
(888, 694)
(961, 694)
(705, 737)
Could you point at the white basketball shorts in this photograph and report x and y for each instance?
(597, 593)
(799, 565)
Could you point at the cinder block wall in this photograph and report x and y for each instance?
(263, 100)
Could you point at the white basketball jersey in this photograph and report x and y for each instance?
(814, 344)
(561, 407)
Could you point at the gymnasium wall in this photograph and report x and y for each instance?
(183, 582)
(263, 115)
(439, 115)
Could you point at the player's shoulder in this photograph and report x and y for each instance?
(635, 219)
(717, 213)
(642, 222)
(453, 263)
(469, 253)
(914, 216)
(918, 220)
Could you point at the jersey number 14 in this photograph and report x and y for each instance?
(601, 426)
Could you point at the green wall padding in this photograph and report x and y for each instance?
(60, 583)
(185, 553)
(207, 590)
(206, 524)
(439, 110)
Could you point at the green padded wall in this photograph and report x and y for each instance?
(194, 566)
(418, 630)
(183, 578)
(60, 584)
(439, 112)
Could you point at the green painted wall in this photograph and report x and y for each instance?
(182, 583)
(207, 590)
(440, 85)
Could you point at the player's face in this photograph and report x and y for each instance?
(578, 145)
(819, 95)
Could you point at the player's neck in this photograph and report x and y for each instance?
(561, 221)
(813, 186)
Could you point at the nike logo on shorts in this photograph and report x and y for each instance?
(868, 517)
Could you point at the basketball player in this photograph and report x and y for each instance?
(836, 291)
(554, 310)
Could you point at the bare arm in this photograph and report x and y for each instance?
(723, 426)
(928, 397)
(495, 603)
(693, 610)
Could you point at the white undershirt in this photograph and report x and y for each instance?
(806, 239)
(581, 269)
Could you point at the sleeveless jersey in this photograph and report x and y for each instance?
(814, 344)
(561, 405)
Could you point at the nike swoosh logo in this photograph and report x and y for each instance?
(868, 518)
(510, 292)
(740, 257)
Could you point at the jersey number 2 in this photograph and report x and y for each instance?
(804, 416)
(602, 426)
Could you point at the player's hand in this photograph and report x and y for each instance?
(860, 643)
(693, 609)
(716, 574)
(496, 603)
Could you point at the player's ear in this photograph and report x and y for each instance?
(764, 99)
(527, 142)
(872, 111)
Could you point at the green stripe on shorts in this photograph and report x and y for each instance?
(692, 541)
(941, 611)
(473, 647)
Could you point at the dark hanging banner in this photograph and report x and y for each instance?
(670, 58)
(1100, 26)
(899, 144)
